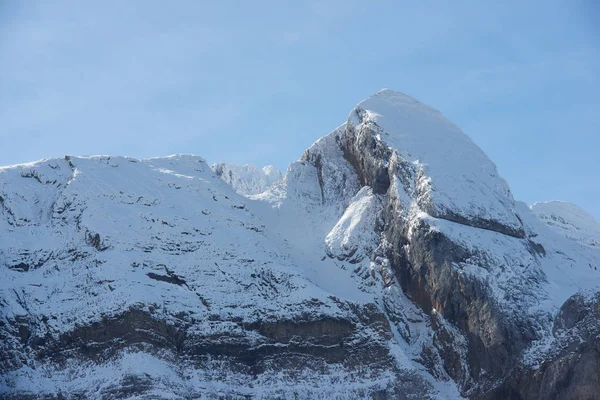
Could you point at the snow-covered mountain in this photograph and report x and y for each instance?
(390, 262)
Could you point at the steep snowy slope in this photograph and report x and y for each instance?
(390, 262)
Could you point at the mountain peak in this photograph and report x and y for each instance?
(389, 98)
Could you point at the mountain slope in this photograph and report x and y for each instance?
(109, 261)
(390, 261)
(570, 220)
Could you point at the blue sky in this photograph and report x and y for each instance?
(260, 81)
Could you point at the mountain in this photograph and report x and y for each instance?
(390, 262)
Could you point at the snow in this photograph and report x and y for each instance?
(294, 210)
(457, 177)
(354, 234)
(571, 266)
(150, 215)
(248, 179)
(570, 221)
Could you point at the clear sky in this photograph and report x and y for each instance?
(259, 81)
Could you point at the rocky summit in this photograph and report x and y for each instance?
(390, 262)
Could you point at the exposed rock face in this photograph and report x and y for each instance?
(391, 262)
(570, 369)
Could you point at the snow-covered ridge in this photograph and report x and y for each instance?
(248, 179)
(570, 221)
